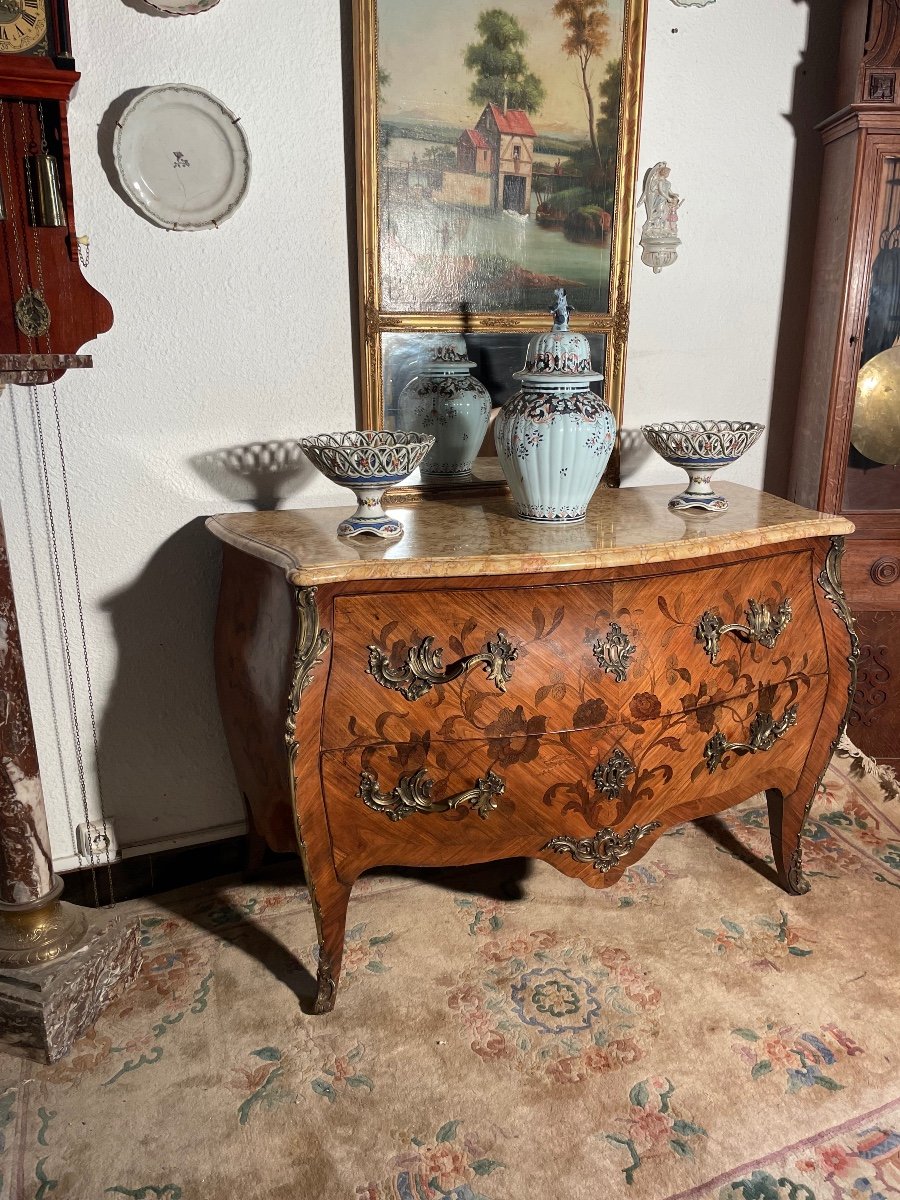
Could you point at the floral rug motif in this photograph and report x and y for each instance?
(556, 1007)
(693, 1033)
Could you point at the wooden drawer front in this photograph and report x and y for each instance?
(545, 626)
(559, 657)
(722, 631)
(871, 575)
(433, 803)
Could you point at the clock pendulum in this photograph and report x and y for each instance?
(59, 965)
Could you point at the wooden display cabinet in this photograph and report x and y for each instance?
(855, 316)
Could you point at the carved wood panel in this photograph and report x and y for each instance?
(875, 716)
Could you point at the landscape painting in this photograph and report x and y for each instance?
(498, 140)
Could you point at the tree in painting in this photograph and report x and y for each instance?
(587, 36)
(501, 73)
(608, 121)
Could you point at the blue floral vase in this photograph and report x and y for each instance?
(555, 436)
(447, 402)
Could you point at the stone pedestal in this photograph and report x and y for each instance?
(46, 1007)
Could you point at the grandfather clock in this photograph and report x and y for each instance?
(847, 441)
(47, 308)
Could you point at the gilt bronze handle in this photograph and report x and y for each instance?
(424, 666)
(764, 733)
(413, 795)
(605, 849)
(762, 626)
(615, 652)
(610, 776)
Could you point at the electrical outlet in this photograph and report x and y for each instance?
(96, 841)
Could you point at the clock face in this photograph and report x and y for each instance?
(23, 25)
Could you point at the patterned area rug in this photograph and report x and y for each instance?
(503, 1034)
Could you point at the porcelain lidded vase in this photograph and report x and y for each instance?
(447, 402)
(554, 436)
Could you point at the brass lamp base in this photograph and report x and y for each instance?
(31, 934)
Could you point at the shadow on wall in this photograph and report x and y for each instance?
(145, 9)
(260, 473)
(106, 133)
(163, 757)
(634, 451)
(813, 100)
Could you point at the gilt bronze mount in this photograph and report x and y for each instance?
(610, 776)
(764, 733)
(413, 794)
(763, 626)
(615, 652)
(605, 849)
(424, 668)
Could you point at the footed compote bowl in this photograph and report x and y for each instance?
(368, 461)
(700, 448)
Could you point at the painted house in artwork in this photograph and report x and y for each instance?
(510, 136)
(473, 154)
(494, 162)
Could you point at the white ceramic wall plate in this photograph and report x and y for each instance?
(182, 8)
(693, 3)
(182, 157)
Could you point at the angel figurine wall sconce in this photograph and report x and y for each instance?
(659, 233)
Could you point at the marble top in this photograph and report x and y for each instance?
(474, 536)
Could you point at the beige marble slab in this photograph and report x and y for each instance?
(483, 536)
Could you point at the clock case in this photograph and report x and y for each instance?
(859, 217)
(45, 255)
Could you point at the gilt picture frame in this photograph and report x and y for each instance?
(473, 207)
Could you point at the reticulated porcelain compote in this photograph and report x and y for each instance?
(368, 461)
(555, 436)
(444, 399)
(701, 448)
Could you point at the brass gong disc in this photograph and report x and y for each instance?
(876, 414)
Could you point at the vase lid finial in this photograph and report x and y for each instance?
(560, 310)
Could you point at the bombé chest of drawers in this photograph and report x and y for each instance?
(487, 688)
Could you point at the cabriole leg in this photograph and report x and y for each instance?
(787, 815)
(330, 904)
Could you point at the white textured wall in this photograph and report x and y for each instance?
(244, 334)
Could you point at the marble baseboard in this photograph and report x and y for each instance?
(44, 1009)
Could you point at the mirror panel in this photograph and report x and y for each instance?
(496, 356)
